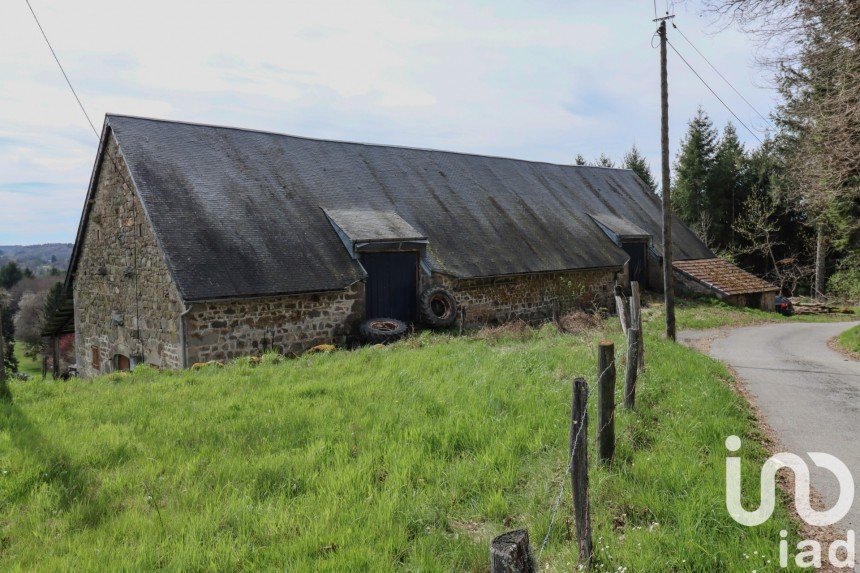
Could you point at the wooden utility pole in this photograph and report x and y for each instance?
(668, 284)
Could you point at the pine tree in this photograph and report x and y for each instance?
(692, 170)
(603, 161)
(7, 331)
(726, 188)
(637, 163)
(10, 275)
(580, 160)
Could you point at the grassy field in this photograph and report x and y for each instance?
(702, 312)
(404, 458)
(26, 364)
(850, 340)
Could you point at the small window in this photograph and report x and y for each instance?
(98, 234)
(97, 363)
(140, 230)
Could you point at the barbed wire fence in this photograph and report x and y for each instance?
(517, 556)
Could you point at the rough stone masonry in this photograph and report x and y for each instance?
(128, 307)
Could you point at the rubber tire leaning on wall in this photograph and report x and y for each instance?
(382, 330)
(438, 307)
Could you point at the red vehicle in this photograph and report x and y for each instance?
(784, 306)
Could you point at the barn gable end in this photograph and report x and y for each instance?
(126, 303)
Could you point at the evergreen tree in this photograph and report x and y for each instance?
(53, 300)
(727, 186)
(603, 161)
(637, 163)
(580, 160)
(7, 329)
(692, 171)
(10, 275)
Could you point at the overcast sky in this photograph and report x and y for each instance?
(536, 80)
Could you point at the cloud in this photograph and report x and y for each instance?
(543, 81)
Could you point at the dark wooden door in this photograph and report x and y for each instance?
(122, 362)
(638, 259)
(392, 285)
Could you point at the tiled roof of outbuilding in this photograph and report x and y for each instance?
(723, 276)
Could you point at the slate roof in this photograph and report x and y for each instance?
(723, 276)
(362, 225)
(623, 228)
(240, 213)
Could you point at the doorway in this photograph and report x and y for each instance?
(391, 290)
(637, 269)
(122, 363)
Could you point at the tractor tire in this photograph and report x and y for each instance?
(438, 307)
(382, 330)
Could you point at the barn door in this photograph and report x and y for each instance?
(638, 259)
(392, 285)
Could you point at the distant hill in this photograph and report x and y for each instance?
(38, 258)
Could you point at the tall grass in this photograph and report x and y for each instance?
(404, 458)
(850, 339)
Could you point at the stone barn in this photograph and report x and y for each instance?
(199, 242)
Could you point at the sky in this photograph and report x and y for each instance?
(540, 80)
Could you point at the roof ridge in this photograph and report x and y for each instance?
(361, 143)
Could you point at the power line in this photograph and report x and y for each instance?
(683, 59)
(119, 171)
(752, 107)
(68, 81)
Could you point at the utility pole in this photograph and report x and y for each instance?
(668, 283)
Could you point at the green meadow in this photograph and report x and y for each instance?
(409, 457)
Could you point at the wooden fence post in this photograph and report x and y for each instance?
(636, 320)
(606, 400)
(579, 469)
(632, 367)
(510, 553)
(621, 309)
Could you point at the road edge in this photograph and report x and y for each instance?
(772, 445)
(834, 344)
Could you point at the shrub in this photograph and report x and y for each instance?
(845, 284)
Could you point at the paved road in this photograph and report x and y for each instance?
(808, 393)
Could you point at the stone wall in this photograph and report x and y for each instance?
(126, 303)
(223, 330)
(533, 296)
(125, 300)
(686, 284)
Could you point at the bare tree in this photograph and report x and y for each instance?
(815, 56)
(29, 321)
(758, 228)
(703, 228)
